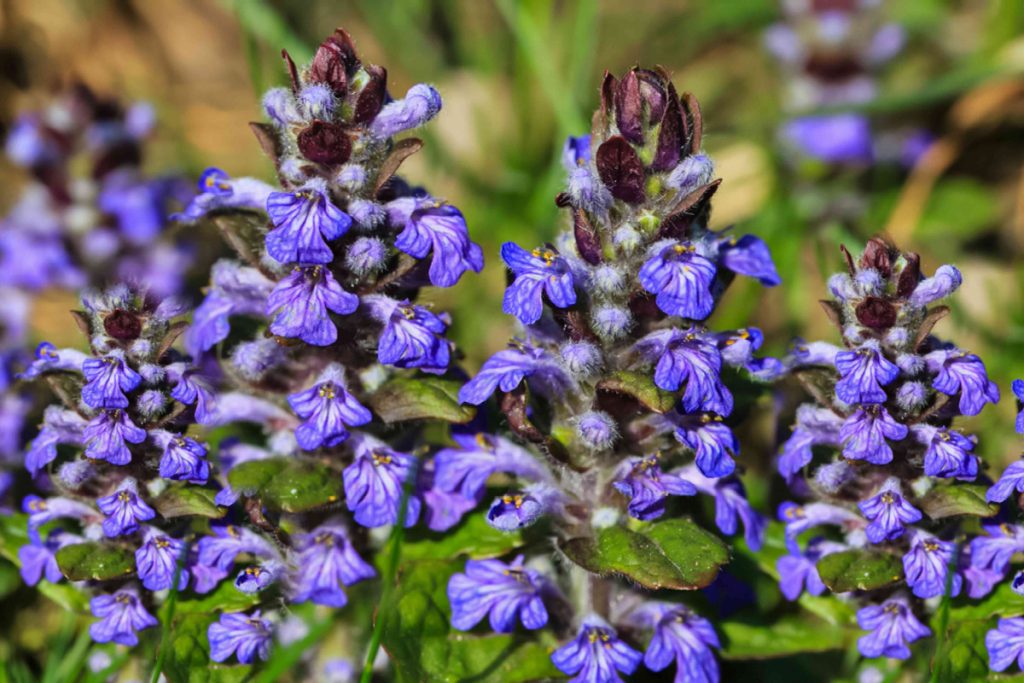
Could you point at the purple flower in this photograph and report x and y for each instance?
(502, 591)
(538, 272)
(1018, 390)
(327, 408)
(1005, 643)
(947, 279)
(1012, 479)
(648, 487)
(683, 637)
(246, 635)
(506, 369)
(157, 560)
(800, 518)
(596, 654)
(964, 373)
(60, 426)
(681, 278)
(183, 459)
(217, 190)
(107, 435)
(814, 426)
(692, 359)
(38, 558)
(892, 625)
(712, 441)
(413, 336)
(420, 104)
(234, 290)
(797, 570)
(948, 452)
(926, 566)
(731, 505)
(889, 513)
(51, 359)
(108, 379)
(229, 541)
(864, 371)
(120, 616)
(124, 510)
(994, 550)
(864, 435)
(256, 578)
(190, 389)
(300, 304)
(835, 139)
(374, 483)
(513, 511)
(466, 469)
(40, 511)
(441, 228)
(302, 221)
(749, 256)
(326, 561)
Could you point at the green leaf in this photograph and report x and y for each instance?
(1001, 602)
(187, 501)
(675, 554)
(188, 654)
(963, 655)
(225, 598)
(424, 648)
(781, 638)
(421, 398)
(640, 387)
(863, 570)
(287, 484)
(95, 561)
(473, 537)
(957, 499)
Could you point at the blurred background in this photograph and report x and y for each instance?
(517, 77)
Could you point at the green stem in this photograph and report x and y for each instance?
(172, 603)
(390, 573)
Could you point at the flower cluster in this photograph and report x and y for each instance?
(321, 342)
(831, 53)
(877, 455)
(116, 460)
(616, 390)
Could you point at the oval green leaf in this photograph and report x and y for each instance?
(862, 570)
(188, 501)
(957, 499)
(92, 561)
(639, 387)
(286, 484)
(421, 398)
(674, 554)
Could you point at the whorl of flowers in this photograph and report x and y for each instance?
(831, 53)
(616, 391)
(882, 469)
(313, 325)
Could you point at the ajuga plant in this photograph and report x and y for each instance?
(831, 53)
(321, 347)
(617, 401)
(889, 488)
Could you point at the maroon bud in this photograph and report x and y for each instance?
(694, 121)
(608, 87)
(692, 208)
(621, 170)
(123, 325)
(588, 242)
(652, 92)
(325, 143)
(629, 108)
(293, 71)
(909, 276)
(334, 62)
(671, 135)
(371, 97)
(849, 259)
(563, 200)
(876, 313)
(832, 68)
(879, 255)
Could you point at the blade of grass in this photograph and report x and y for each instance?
(72, 664)
(943, 612)
(261, 19)
(389, 574)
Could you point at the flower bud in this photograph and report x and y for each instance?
(151, 403)
(692, 172)
(367, 255)
(596, 430)
(612, 322)
(279, 105)
(582, 359)
(254, 359)
(317, 101)
(420, 104)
